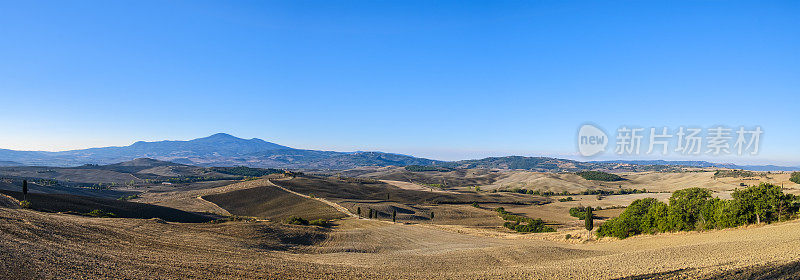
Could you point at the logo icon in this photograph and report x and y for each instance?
(591, 140)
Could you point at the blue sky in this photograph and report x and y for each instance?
(437, 79)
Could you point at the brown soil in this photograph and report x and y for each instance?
(272, 203)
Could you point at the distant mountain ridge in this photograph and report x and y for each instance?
(223, 149)
(704, 164)
(216, 150)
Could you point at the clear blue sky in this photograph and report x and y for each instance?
(444, 80)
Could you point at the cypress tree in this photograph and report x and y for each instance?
(25, 189)
(394, 216)
(431, 215)
(589, 219)
(359, 212)
(370, 213)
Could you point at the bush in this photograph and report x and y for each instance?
(578, 212)
(514, 222)
(599, 176)
(565, 199)
(25, 204)
(320, 223)
(297, 221)
(101, 214)
(133, 196)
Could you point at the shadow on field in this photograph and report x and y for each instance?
(783, 271)
(122, 209)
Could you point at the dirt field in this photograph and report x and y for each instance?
(47, 246)
(272, 203)
(124, 209)
(652, 181)
(333, 188)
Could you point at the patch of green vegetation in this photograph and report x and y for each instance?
(421, 168)
(25, 204)
(319, 223)
(566, 199)
(578, 212)
(303, 222)
(695, 209)
(232, 219)
(599, 176)
(101, 214)
(438, 186)
(130, 197)
(736, 173)
(514, 222)
(297, 221)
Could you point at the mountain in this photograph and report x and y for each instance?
(216, 150)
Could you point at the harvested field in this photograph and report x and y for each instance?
(123, 209)
(48, 246)
(378, 191)
(272, 203)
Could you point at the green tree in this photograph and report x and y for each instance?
(634, 220)
(761, 201)
(25, 187)
(358, 211)
(394, 216)
(684, 207)
(589, 219)
(795, 177)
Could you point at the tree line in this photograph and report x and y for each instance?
(695, 209)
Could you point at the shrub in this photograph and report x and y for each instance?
(568, 236)
(133, 196)
(475, 204)
(514, 222)
(320, 223)
(25, 204)
(297, 221)
(565, 199)
(101, 214)
(795, 177)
